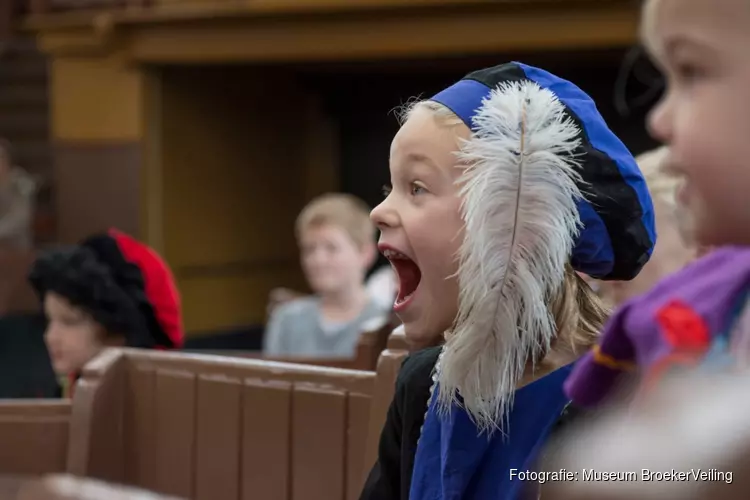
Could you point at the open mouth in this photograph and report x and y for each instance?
(408, 274)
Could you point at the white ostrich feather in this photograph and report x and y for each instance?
(519, 194)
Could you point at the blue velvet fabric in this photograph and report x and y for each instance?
(454, 462)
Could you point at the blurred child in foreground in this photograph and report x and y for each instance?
(698, 317)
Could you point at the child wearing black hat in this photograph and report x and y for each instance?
(108, 290)
(503, 186)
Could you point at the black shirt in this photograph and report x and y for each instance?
(390, 478)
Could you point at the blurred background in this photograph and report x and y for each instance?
(204, 127)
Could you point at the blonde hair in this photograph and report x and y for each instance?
(341, 210)
(663, 188)
(443, 114)
(579, 313)
(661, 185)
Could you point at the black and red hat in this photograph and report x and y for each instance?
(124, 284)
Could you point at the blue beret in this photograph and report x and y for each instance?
(618, 233)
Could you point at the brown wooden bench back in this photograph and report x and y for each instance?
(210, 427)
(33, 436)
(389, 365)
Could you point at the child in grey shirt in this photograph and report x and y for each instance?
(337, 247)
(297, 329)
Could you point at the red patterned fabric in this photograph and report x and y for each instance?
(683, 327)
(161, 290)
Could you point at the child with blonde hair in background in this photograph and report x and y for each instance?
(337, 246)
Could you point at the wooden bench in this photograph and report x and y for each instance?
(371, 344)
(34, 436)
(388, 367)
(218, 427)
(208, 427)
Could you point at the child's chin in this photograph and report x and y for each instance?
(324, 289)
(421, 335)
(61, 369)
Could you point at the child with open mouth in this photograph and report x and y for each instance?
(504, 186)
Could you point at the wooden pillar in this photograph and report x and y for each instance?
(98, 132)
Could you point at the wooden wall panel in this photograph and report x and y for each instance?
(97, 134)
(240, 156)
(209, 166)
(95, 99)
(98, 186)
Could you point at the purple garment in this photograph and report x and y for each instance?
(711, 287)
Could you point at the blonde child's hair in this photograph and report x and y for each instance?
(663, 188)
(444, 115)
(661, 185)
(341, 210)
(578, 311)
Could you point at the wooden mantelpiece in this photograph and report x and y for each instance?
(328, 30)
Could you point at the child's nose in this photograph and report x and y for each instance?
(51, 334)
(384, 216)
(660, 120)
(316, 257)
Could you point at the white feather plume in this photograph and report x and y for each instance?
(519, 194)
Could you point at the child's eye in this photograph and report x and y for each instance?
(417, 189)
(687, 72)
(386, 190)
(70, 322)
